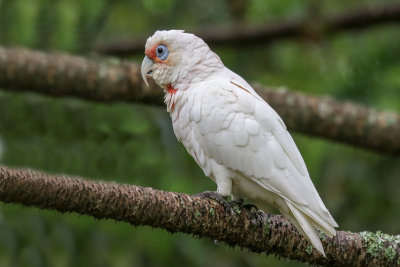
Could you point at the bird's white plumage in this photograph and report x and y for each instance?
(238, 139)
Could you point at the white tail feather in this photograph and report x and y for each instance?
(325, 224)
(305, 225)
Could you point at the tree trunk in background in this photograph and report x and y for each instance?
(275, 30)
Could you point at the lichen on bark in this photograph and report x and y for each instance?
(177, 212)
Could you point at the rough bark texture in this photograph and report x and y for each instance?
(65, 75)
(275, 31)
(177, 212)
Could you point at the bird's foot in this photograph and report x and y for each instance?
(250, 207)
(240, 202)
(235, 205)
(215, 196)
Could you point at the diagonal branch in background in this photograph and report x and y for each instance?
(65, 75)
(177, 212)
(274, 31)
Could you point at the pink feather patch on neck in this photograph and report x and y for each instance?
(171, 90)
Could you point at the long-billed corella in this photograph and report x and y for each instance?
(237, 139)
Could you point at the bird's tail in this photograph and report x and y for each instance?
(305, 222)
(306, 226)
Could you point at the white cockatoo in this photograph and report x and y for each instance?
(237, 139)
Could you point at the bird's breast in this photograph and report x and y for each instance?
(180, 116)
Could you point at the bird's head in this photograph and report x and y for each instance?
(175, 58)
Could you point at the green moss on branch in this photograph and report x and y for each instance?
(177, 212)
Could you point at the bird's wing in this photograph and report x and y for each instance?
(241, 131)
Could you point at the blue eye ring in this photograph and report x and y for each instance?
(162, 52)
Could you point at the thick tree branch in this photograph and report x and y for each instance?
(345, 121)
(177, 212)
(275, 31)
(64, 75)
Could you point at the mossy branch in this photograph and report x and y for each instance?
(66, 75)
(177, 212)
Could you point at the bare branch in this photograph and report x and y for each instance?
(273, 31)
(335, 120)
(177, 212)
(65, 75)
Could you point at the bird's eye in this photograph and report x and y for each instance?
(162, 52)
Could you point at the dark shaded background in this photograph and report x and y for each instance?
(135, 143)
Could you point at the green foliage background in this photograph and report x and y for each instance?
(135, 143)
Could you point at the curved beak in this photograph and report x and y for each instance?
(147, 64)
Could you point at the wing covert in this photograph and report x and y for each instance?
(241, 131)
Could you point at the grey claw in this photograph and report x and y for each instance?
(215, 196)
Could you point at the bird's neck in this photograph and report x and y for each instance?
(172, 97)
(170, 89)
